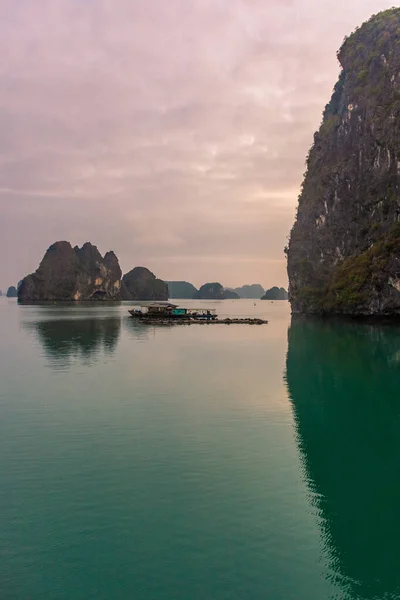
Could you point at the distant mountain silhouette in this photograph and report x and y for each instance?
(275, 293)
(181, 289)
(211, 291)
(142, 284)
(254, 291)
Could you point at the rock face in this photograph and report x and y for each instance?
(211, 291)
(181, 289)
(275, 293)
(142, 284)
(12, 292)
(68, 273)
(254, 291)
(344, 249)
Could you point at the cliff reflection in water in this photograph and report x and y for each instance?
(344, 382)
(82, 339)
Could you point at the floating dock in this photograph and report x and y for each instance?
(227, 321)
(171, 314)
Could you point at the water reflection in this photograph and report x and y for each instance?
(81, 340)
(142, 331)
(343, 382)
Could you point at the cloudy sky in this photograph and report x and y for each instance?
(171, 131)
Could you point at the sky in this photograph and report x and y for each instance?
(172, 132)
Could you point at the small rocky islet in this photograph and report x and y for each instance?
(344, 248)
(254, 291)
(11, 292)
(275, 293)
(215, 291)
(182, 290)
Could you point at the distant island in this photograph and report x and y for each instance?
(254, 291)
(231, 294)
(275, 293)
(181, 289)
(73, 273)
(12, 292)
(142, 284)
(215, 291)
(208, 291)
(68, 273)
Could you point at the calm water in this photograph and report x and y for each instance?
(203, 463)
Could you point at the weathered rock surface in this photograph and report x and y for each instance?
(275, 293)
(68, 273)
(254, 291)
(12, 292)
(344, 249)
(181, 289)
(142, 284)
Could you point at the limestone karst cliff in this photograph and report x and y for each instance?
(68, 273)
(344, 248)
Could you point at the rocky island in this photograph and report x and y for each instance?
(253, 291)
(344, 249)
(275, 293)
(181, 289)
(12, 292)
(69, 273)
(142, 284)
(215, 291)
(231, 294)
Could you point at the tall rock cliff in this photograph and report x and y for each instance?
(344, 248)
(68, 273)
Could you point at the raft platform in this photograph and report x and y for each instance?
(171, 314)
(227, 321)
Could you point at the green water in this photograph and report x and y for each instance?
(201, 462)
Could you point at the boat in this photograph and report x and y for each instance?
(172, 312)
